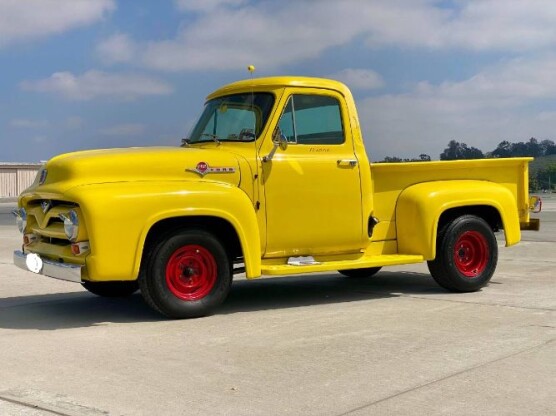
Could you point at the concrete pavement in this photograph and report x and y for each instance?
(395, 344)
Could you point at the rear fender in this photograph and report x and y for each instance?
(420, 206)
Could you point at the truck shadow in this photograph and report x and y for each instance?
(81, 309)
(306, 290)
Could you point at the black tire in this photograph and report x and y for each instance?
(360, 273)
(466, 255)
(187, 275)
(118, 289)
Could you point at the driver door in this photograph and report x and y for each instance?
(312, 188)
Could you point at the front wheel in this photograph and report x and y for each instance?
(466, 255)
(187, 276)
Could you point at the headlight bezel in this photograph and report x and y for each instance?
(71, 225)
(20, 219)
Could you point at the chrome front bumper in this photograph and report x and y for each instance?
(63, 271)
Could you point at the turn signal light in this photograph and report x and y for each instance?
(80, 248)
(29, 238)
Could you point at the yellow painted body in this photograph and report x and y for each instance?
(305, 201)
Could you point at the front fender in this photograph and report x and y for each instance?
(420, 206)
(118, 217)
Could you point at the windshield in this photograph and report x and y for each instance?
(239, 117)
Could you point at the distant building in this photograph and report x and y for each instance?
(15, 177)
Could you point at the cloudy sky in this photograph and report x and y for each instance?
(82, 74)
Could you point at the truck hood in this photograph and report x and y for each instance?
(137, 164)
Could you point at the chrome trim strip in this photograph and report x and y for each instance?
(62, 271)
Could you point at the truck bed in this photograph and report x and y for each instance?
(390, 179)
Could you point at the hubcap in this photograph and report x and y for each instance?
(471, 254)
(191, 272)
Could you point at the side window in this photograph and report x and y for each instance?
(312, 119)
(286, 123)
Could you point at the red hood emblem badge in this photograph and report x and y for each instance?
(203, 168)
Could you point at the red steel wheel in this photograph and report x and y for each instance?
(466, 254)
(471, 253)
(191, 272)
(187, 274)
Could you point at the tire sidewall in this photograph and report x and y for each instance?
(451, 236)
(165, 300)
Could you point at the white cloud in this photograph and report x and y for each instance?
(28, 123)
(266, 32)
(496, 104)
(40, 139)
(362, 79)
(227, 34)
(74, 122)
(128, 129)
(118, 48)
(206, 5)
(93, 84)
(509, 25)
(28, 19)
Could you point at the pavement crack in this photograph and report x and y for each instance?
(480, 303)
(405, 295)
(33, 406)
(457, 373)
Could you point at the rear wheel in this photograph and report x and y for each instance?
(466, 255)
(187, 276)
(112, 289)
(360, 273)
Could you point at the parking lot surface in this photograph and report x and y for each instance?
(394, 344)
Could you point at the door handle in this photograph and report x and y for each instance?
(350, 162)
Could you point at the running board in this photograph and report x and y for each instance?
(326, 266)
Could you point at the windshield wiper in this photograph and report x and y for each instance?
(185, 142)
(214, 137)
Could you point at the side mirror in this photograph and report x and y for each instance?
(279, 140)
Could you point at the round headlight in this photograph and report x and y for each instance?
(71, 225)
(20, 219)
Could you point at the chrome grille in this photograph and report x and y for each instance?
(47, 224)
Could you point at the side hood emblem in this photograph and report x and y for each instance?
(203, 168)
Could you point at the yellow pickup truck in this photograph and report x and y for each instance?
(272, 180)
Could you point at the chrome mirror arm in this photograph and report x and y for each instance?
(280, 141)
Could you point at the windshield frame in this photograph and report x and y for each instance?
(261, 103)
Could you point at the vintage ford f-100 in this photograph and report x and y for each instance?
(273, 180)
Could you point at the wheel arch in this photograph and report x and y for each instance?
(219, 227)
(224, 210)
(423, 208)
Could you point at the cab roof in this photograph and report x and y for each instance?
(259, 84)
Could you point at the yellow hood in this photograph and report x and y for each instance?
(138, 164)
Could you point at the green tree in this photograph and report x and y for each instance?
(457, 150)
(546, 177)
(548, 147)
(504, 149)
(392, 159)
(533, 148)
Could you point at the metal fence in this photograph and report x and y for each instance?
(15, 177)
